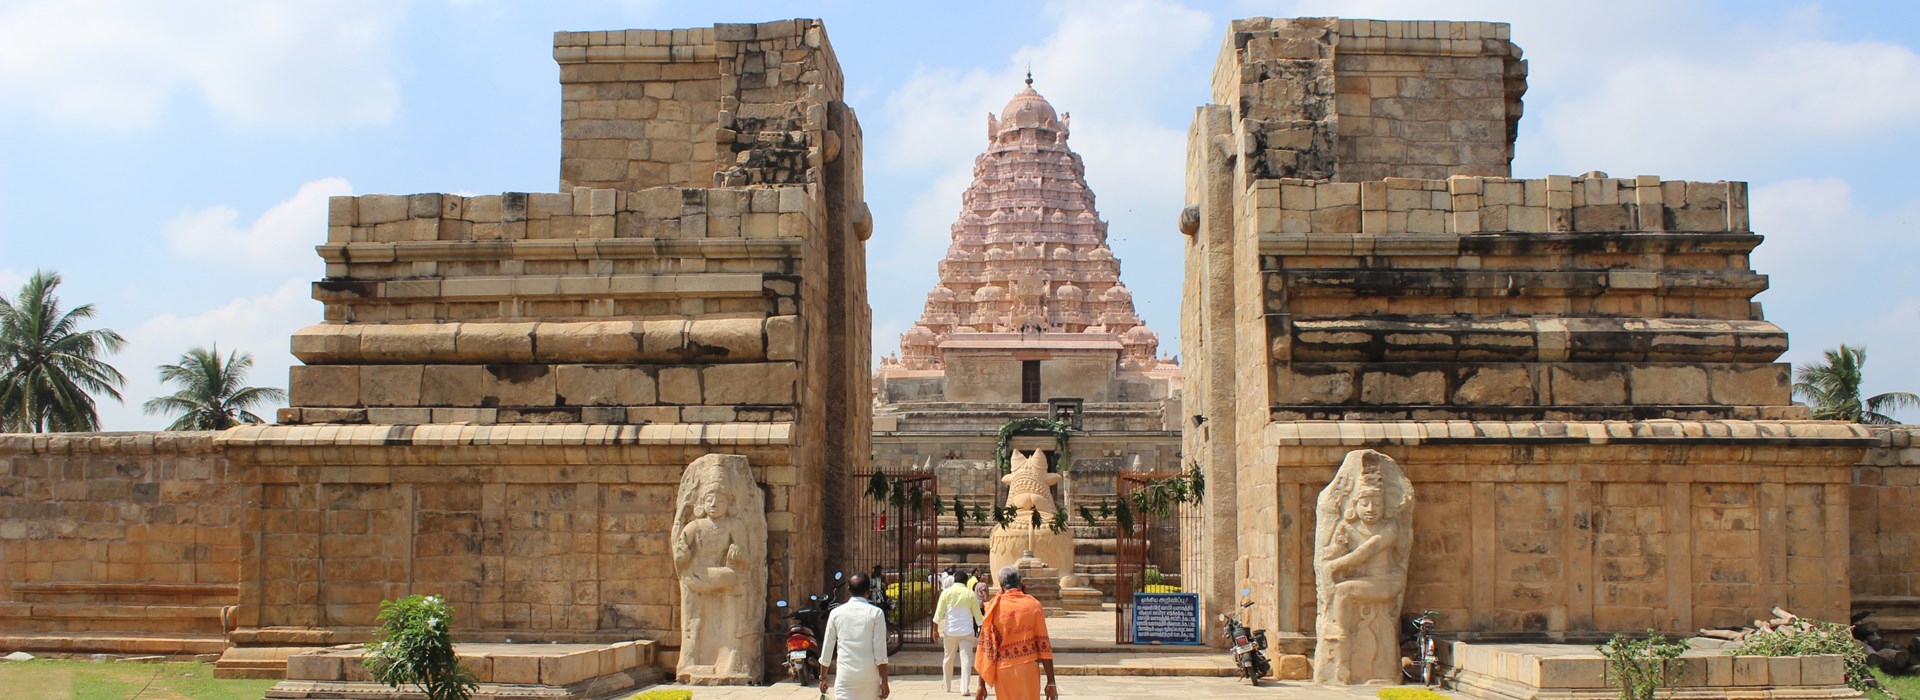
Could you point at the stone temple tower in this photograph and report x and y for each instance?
(1029, 305)
(1029, 308)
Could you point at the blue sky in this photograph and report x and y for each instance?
(172, 160)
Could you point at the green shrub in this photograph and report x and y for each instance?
(1159, 588)
(663, 695)
(912, 601)
(1637, 668)
(1821, 638)
(1152, 576)
(411, 646)
(1409, 694)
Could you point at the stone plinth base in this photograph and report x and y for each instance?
(1576, 672)
(262, 652)
(504, 671)
(1081, 598)
(1043, 583)
(1013, 542)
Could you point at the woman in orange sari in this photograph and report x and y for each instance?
(1014, 647)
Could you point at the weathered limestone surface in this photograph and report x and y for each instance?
(1362, 534)
(507, 389)
(720, 549)
(114, 536)
(1570, 370)
(1885, 522)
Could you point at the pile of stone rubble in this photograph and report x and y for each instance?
(1882, 653)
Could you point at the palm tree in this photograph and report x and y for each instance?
(49, 368)
(211, 395)
(1833, 389)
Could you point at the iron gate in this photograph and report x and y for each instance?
(896, 541)
(1149, 558)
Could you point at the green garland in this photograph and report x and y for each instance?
(1004, 449)
(1158, 498)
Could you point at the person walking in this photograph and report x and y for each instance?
(1014, 646)
(956, 618)
(855, 646)
(981, 587)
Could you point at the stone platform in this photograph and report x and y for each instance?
(1083, 646)
(1576, 672)
(504, 671)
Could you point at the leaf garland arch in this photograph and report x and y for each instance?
(1003, 449)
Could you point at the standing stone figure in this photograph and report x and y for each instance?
(720, 553)
(1362, 533)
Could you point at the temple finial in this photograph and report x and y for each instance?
(1029, 74)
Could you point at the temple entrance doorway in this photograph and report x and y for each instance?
(895, 538)
(1155, 567)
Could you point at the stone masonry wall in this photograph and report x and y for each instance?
(1554, 530)
(116, 532)
(1886, 518)
(506, 389)
(601, 306)
(732, 104)
(1355, 100)
(1498, 297)
(1571, 369)
(534, 533)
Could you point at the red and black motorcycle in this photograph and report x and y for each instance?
(804, 628)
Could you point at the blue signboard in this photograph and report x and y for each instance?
(1166, 618)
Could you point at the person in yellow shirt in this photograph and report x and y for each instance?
(956, 618)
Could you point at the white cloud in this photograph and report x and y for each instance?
(1675, 113)
(261, 325)
(281, 240)
(1839, 274)
(10, 282)
(306, 65)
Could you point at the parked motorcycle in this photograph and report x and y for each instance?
(804, 630)
(1419, 667)
(1247, 644)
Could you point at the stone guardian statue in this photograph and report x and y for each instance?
(720, 553)
(1363, 532)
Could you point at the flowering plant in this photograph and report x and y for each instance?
(412, 646)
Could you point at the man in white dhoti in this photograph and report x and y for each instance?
(853, 657)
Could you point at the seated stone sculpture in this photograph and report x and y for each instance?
(1362, 537)
(720, 552)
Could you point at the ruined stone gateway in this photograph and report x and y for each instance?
(1571, 370)
(506, 390)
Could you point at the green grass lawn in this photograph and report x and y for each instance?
(86, 680)
(1908, 687)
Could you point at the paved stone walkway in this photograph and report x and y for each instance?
(1071, 688)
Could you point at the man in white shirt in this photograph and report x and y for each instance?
(855, 646)
(956, 618)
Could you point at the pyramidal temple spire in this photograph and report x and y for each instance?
(1029, 262)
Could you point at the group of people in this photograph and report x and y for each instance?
(1004, 637)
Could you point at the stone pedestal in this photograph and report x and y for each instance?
(1080, 598)
(1043, 583)
(1054, 549)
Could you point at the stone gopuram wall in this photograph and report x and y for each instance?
(1571, 370)
(1886, 526)
(506, 389)
(1578, 530)
(117, 542)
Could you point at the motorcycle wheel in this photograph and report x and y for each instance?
(894, 642)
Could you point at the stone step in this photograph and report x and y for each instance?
(1110, 662)
(113, 643)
